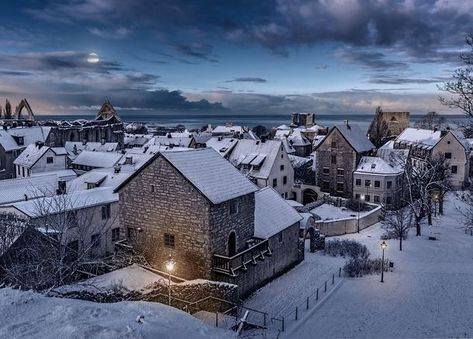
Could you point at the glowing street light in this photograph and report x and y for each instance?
(170, 263)
(383, 247)
(358, 219)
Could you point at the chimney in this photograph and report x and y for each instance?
(220, 138)
(39, 144)
(169, 135)
(348, 125)
(128, 160)
(117, 168)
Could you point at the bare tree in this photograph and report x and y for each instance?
(466, 197)
(461, 88)
(431, 120)
(397, 223)
(378, 130)
(72, 230)
(422, 180)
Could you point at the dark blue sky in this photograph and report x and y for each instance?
(274, 57)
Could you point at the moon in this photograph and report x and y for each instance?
(93, 58)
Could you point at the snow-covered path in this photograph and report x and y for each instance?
(429, 294)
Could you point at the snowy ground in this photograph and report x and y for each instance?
(31, 315)
(429, 294)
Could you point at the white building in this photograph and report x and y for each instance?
(37, 158)
(266, 163)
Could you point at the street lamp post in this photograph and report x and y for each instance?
(383, 247)
(170, 263)
(358, 219)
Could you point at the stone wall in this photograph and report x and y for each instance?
(285, 255)
(222, 223)
(348, 225)
(346, 160)
(160, 200)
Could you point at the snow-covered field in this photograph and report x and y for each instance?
(31, 315)
(429, 293)
(331, 212)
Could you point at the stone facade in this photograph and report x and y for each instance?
(7, 168)
(159, 201)
(336, 160)
(285, 255)
(302, 119)
(394, 123)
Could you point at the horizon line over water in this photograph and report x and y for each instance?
(199, 120)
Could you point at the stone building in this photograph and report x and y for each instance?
(337, 157)
(302, 119)
(387, 125)
(196, 207)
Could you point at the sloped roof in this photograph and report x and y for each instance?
(227, 129)
(212, 175)
(31, 134)
(73, 148)
(251, 148)
(169, 140)
(272, 213)
(97, 159)
(7, 141)
(66, 202)
(355, 137)
(13, 190)
(419, 136)
(30, 155)
(377, 165)
(222, 145)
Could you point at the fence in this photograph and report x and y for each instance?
(276, 324)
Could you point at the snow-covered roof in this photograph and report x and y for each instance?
(59, 150)
(297, 161)
(65, 202)
(31, 134)
(355, 137)
(30, 155)
(169, 140)
(419, 136)
(212, 175)
(246, 151)
(97, 159)
(202, 138)
(272, 213)
(377, 165)
(13, 190)
(222, 145)
(63, 174)
(297, 139)
(136, 139)
(154, 149)
(7, 141)
(73, 148)
(283, 127)
(227, 129)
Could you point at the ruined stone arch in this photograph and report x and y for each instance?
(19, 109)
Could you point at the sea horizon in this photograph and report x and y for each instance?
(192, 121)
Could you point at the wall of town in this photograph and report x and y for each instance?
(348, 225)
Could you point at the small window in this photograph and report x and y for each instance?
(357, 196)
(275, 182)
(326, 170)
(282, 155)
(367, 198)
(340, 171)
(358, 182)
(334, 144)
(106, 212)
(49, 160)
(169, 240)
(91, 185)
(448, 155)
(115, 234)
(454, 169)
(233, 207)
(376, 198)
(284, 180)
(367, 183)
(280, 236)
(281, 167)
(95, 240)
(152, 188)
(334, 159)
(340, 186)
(377, 183)
(389, 184)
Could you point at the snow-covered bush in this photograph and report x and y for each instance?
(358, 267)
(346, 248)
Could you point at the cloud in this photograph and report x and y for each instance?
(196, 50)
(396, 79)
(115, 33)
(372, 60)
(249, 79)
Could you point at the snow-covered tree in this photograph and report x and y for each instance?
(397, 223)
